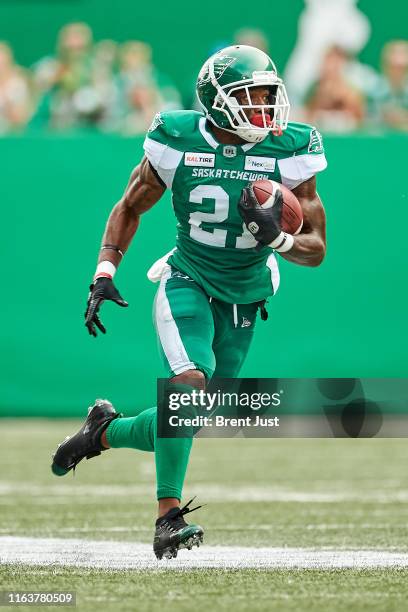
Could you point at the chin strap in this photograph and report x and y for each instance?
(245, 132)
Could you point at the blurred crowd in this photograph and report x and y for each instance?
(116, 87)
(103, 85)
(348, 95)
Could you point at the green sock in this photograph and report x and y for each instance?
(171, 454)
(133, 432)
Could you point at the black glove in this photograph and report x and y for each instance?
(265, 224)
(102, 289)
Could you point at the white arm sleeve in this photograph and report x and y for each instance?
(299, 168)
(163, 158)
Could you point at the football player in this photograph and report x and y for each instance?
(217, 278)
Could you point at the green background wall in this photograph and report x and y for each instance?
(344, 319)
(181, 33)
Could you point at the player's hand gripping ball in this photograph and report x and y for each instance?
(270, 210)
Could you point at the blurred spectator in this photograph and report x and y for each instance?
(362, 77)
(143, 90)
(105, 60)
(72, 62)
(74, 101)
(103, 82)
(322, 25)
(77, 85)
(253, 38)
(333, 103)
(15, 95)
(391, 97)
(139, 91)
(103, 85)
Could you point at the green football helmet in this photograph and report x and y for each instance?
(241, 67)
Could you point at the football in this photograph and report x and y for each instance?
(292, 216)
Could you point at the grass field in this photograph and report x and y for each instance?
(345, 502)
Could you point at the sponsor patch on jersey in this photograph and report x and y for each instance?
(204, 160)
(260, 164)
(229, 151)
(315, 142)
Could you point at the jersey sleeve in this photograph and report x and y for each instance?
(306, 160)
(164, 158)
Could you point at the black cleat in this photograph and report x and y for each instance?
(173, 533)
(86, 442)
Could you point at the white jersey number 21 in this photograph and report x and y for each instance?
(217, 236)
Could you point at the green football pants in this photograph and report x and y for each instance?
(194, 332)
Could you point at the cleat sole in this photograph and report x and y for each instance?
(194, 540)
(170, 553)
(193, 537)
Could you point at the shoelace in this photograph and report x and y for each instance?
(186, 510)
(178, 521)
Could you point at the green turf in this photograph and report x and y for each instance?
(307, 590)
(96, 504)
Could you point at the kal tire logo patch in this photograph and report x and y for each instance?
(204, 160)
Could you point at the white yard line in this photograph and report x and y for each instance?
(128, 555)
(229, 528)
(212, 493)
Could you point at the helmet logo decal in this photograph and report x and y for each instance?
(219, 69)
(204, 78)
(220, 64)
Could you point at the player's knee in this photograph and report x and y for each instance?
(195, 378)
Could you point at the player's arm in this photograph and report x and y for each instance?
(144, 189)
(309, 247)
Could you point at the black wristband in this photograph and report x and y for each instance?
(112, 247)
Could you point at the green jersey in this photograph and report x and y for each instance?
(206, 178)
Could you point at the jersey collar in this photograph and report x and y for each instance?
(206, 134)
(248, 146)
(209, 138)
